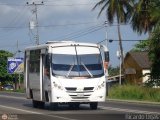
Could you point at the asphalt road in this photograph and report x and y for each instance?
(16, 107)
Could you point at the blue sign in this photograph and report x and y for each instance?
(15, 65)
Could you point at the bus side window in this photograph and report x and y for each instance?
(47, 66)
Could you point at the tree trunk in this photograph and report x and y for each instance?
(120, 47)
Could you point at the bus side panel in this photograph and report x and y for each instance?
(34, 74)
(26, 71)
(34, 83)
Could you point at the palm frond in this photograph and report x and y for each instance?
(102, 3)
(102, 9)
(98, 4)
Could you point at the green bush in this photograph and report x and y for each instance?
(20, 90)
(134, 92)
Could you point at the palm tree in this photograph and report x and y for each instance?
(146, 18)
(143, 18)
(121, 10)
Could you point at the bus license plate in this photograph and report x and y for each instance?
(80, 95)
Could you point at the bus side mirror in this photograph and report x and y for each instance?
(106, 56)
(106, 60)
(105, 64)
(105, 52)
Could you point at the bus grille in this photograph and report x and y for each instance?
(83, 94)
(74, 89)
(71, 88)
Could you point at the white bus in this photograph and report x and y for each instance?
(66, 72)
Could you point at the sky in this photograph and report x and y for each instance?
(59, 20)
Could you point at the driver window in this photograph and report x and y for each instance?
(47, 66)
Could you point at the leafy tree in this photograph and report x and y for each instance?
(141, 46)
(142, 19)
(154, 55)
(4, 76)
(154, 46)
(145, 16)
(121, 10)
(113, 71)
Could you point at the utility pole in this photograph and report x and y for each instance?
(19, 76)
(120, 68)
(35, 11)
(106, 25)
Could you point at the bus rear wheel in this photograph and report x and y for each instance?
(94, 105)
(38, 104)
(35, 103)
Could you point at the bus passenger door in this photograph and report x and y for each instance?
(45, 76)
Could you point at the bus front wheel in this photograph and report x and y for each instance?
(94, 105)
(74, 106)
(53, 106)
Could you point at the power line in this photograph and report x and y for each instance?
(68, 5)
(56, 25)
(21, 5)
(69, 24)
(14, 27)
(84, 33)
(72, 37)
(87, 33)
(8, 46)
(45, 26)
(111, 40)
(17, 20)
(6, 4)
(61, 0)
(77, 32)
(124, 40)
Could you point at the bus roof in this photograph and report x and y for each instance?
(59, 44)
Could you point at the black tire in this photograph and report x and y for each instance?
(94, 105)
(53, 106)
(74, 106)
(31, 94)
(41, 104)
(38, 104)
(35, 103)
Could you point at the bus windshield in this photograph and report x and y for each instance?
(83, 65)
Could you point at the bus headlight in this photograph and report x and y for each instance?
(101, 85)
(55, 85)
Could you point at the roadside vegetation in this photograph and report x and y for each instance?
(144, 17)
(20, 90)
(17, 90)
(5, 77)
(134, 92)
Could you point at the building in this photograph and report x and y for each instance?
(137, 66)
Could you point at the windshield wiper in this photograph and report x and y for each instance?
(87, 69)
(70, 69)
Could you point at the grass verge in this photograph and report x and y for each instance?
(134, 92)
(20, 90)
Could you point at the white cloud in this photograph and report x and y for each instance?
(66, 8)
(11, 16)
(4, 9)
(58, 11)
